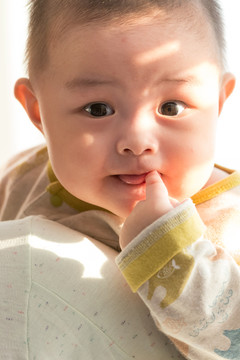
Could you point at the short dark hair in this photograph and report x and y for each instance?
(49, 17)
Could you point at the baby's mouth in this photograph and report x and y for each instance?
(133, 179)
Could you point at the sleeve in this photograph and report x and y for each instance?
(190, 286)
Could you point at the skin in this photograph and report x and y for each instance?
(137, 161)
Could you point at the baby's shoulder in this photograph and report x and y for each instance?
(22, 163)
(23, 175)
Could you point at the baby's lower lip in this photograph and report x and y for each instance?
(133, 179)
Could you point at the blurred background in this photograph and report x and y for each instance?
(16, 131)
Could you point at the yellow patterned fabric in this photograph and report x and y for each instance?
(171, 235)
(185, 268)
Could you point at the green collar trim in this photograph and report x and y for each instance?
(214, 190)
(60, 195)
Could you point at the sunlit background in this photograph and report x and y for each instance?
(16, 131)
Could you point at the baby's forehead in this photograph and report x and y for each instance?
(183, 14)
(182, 18)
(90, 49)
(189, 13)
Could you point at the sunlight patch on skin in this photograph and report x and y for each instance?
(88, 139)
(84, 251)
(158, 53)
(209, 72)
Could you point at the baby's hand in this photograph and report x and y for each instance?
(157, 203)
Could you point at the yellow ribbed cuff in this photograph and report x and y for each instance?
(151, 250)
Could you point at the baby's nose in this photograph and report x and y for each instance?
(136, 148)
(137, 141)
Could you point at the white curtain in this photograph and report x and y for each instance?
(16, 131)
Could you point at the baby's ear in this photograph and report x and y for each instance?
(227, 87)
(25, 95)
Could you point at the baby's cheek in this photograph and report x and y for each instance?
(87, 140)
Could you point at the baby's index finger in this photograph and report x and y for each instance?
(154, 185)
(157, 194)
(153, 177)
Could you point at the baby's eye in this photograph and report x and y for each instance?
(171, 108)
(98, 109)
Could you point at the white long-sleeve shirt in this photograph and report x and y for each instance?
(58, 274)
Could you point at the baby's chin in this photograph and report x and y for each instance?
(124, 211)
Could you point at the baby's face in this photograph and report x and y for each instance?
(119, 101)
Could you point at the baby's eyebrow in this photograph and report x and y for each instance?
(88, 82)
(181, 80)
(79, 82)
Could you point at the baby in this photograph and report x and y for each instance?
(127, 95)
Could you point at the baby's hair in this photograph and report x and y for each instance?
(50, 18)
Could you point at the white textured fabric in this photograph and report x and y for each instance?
(62, 297)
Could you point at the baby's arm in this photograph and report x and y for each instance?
(157, 203)
(189, 285)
